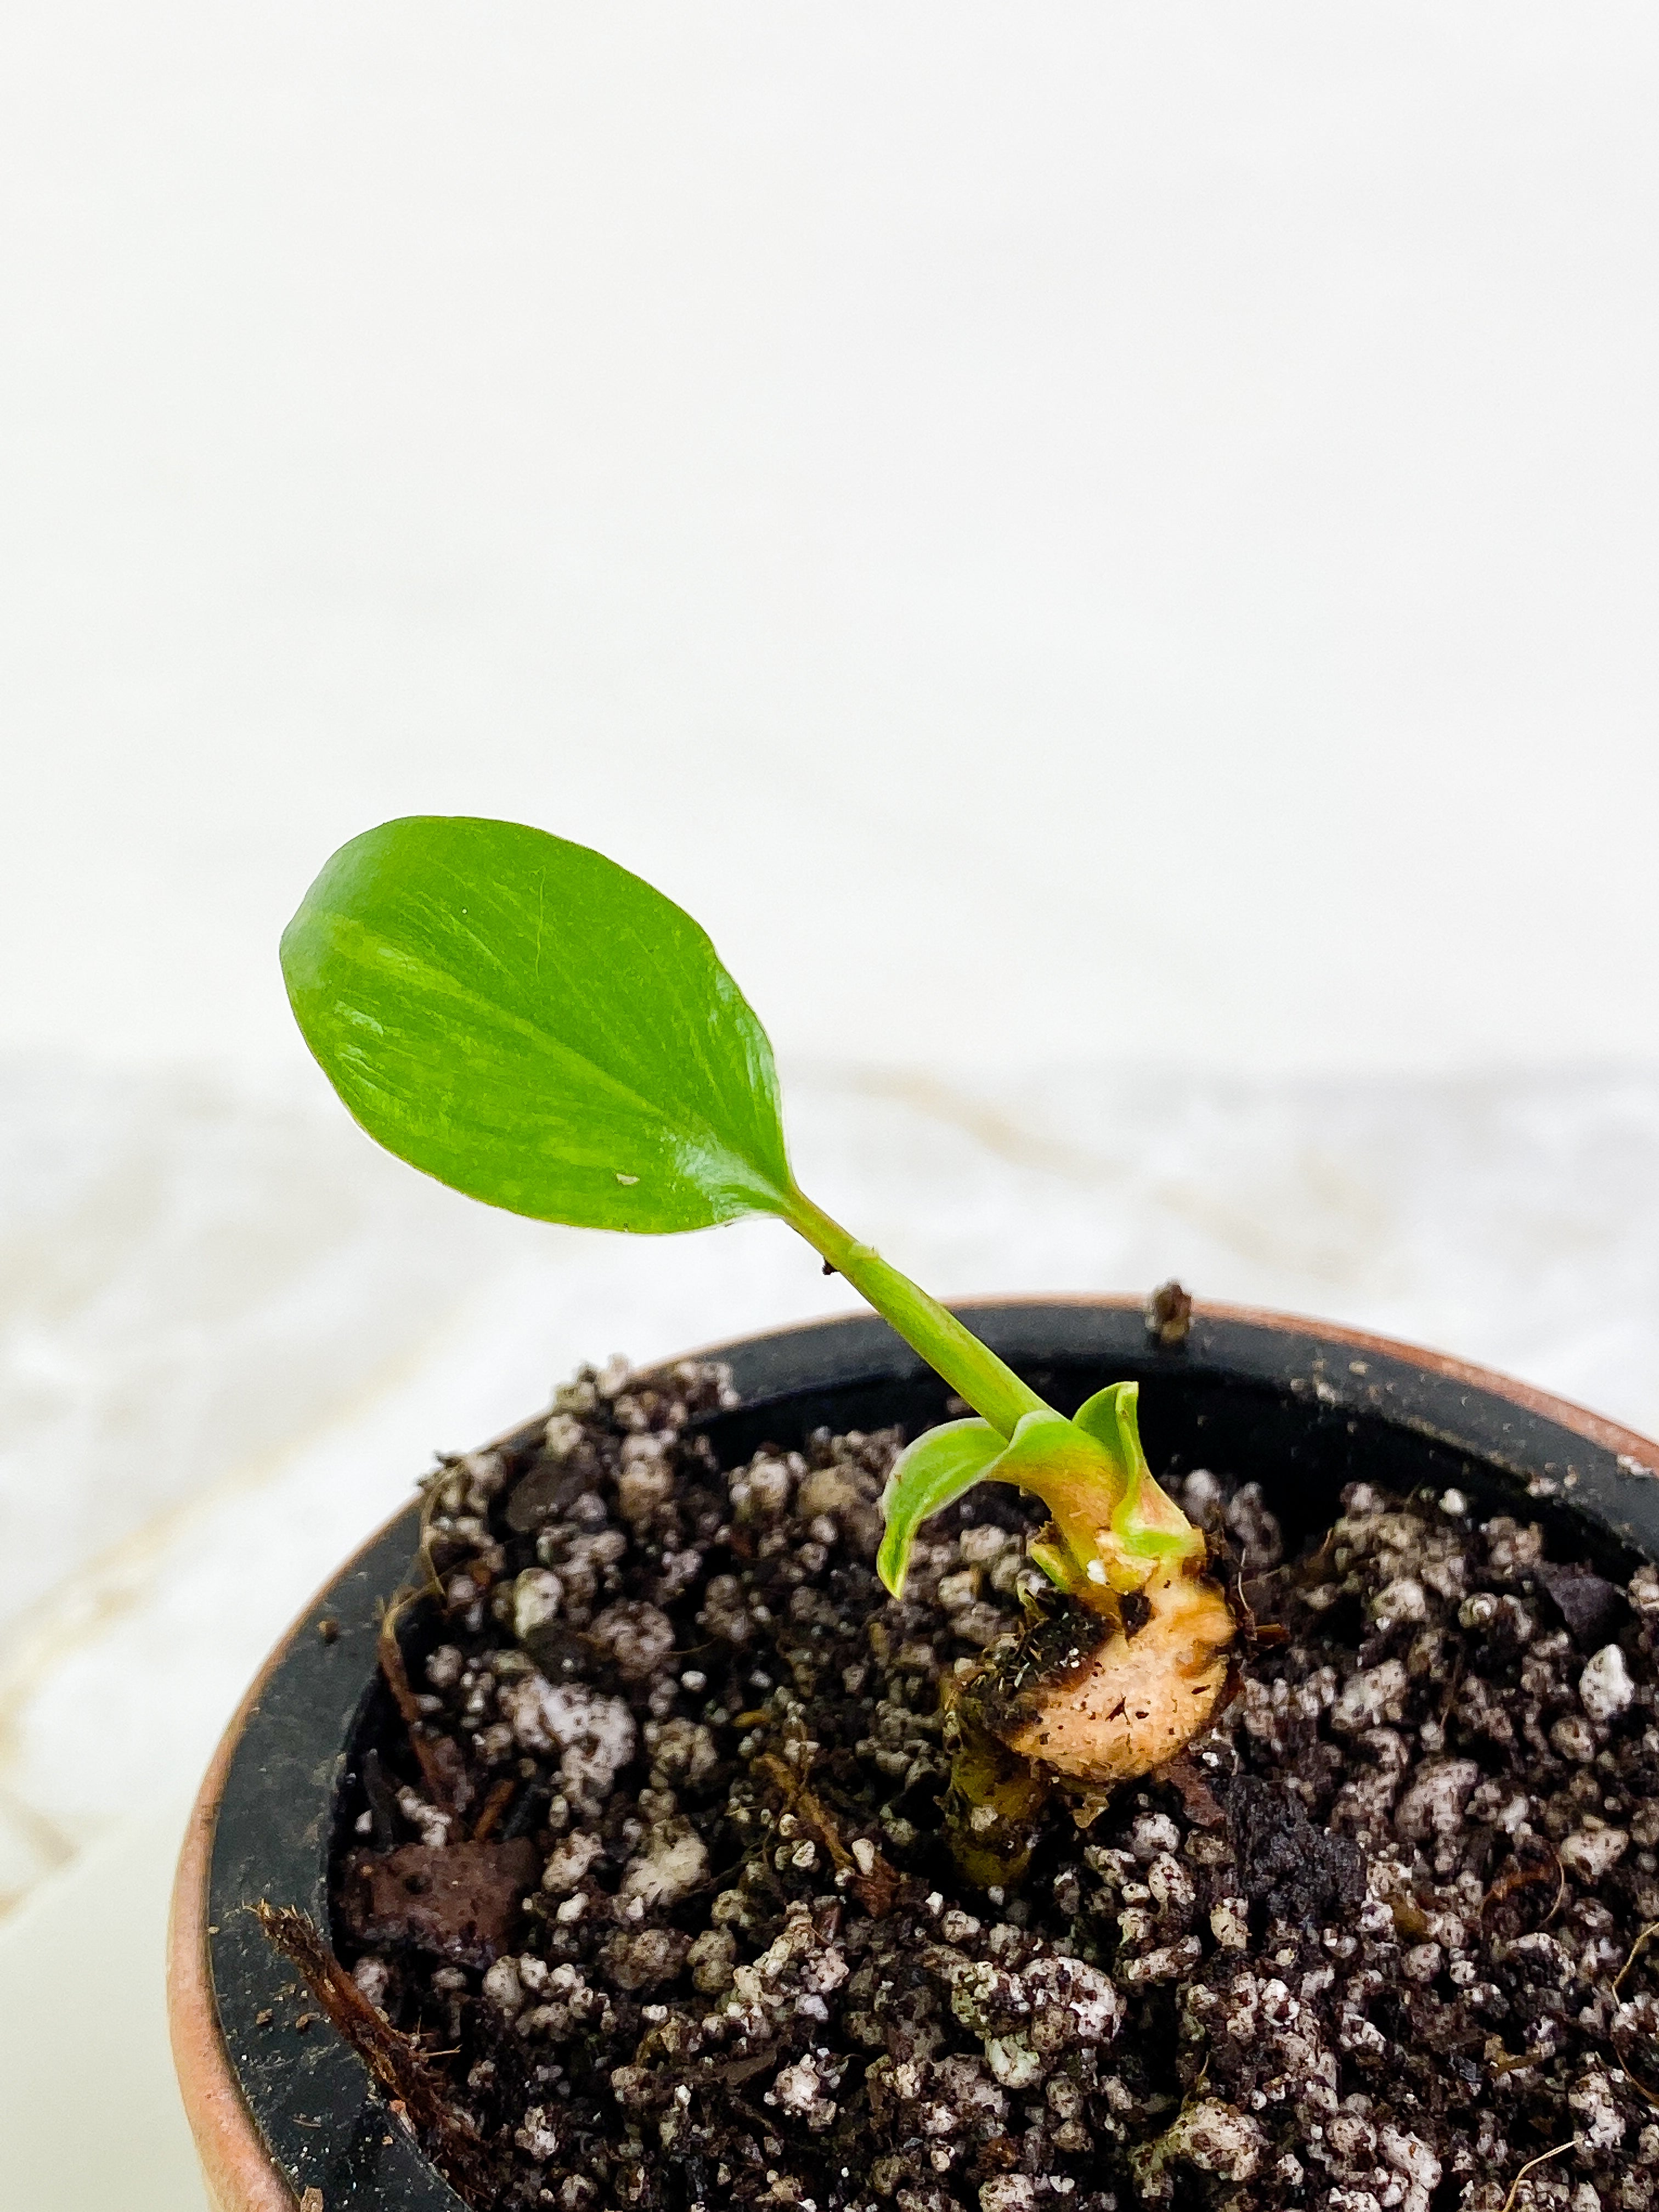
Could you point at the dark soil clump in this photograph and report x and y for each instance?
(677, 1924)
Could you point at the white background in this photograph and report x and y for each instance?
(1064, 531)
(1109, 552)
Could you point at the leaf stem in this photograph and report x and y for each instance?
(971, 1369)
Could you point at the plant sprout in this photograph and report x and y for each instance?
(531, 1024)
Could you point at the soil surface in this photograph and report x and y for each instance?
(659, 1887)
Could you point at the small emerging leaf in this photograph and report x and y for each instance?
(531, 1024)
(1147, 1524)
(1080, 1477)
(927, 1475)
(1111, 1523)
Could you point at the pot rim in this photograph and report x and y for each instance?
(241, 2175)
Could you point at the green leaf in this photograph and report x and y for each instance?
(531, 1023)
(927, 1475)
(1046, 1450)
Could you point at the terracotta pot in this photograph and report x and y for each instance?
(279, 2111)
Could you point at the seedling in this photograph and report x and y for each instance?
(531, 1024)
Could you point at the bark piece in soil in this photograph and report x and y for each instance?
(460, 1900)
(1301, 1875)
(1592, 1608)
